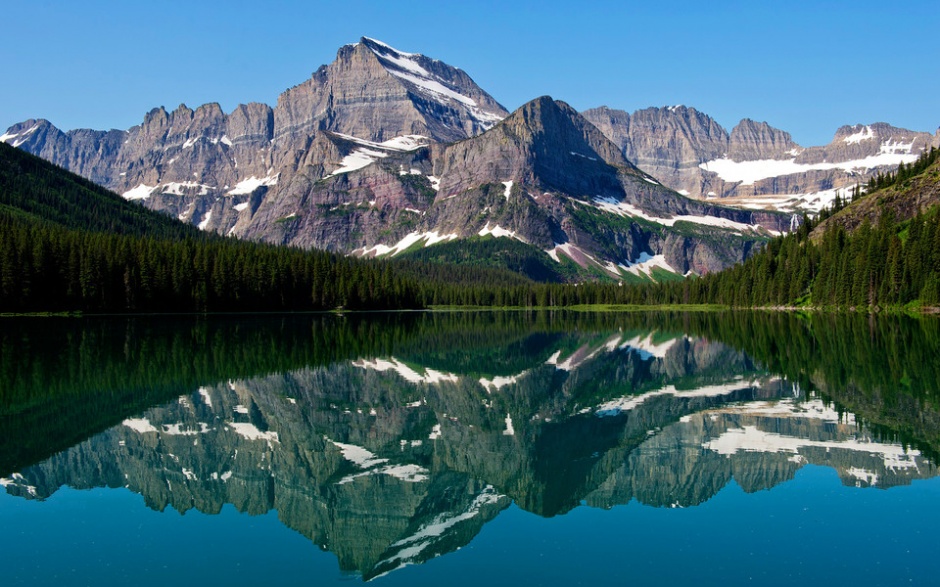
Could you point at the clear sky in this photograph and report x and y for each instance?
(805, 67)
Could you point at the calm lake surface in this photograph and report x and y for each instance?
(494, 448)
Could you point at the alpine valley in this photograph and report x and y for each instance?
(386, 153)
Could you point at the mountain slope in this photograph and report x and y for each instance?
(67, 245)
(32, 190)
(912, 190)
(375, 92)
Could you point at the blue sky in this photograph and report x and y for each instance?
(805, 67)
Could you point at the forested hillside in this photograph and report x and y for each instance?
(33, 189)
(67, 245)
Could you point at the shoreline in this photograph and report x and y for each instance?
(612, 308)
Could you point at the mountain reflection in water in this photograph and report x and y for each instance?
(393, 450)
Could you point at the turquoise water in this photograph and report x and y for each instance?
(472, 449)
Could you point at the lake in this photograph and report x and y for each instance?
(497, 448)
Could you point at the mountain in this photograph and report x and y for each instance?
(382, 151)
(755, 165)
(375, 92)
(543, 176)
(203, 165)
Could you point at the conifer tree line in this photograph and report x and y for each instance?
(46, 268)
(904, 172)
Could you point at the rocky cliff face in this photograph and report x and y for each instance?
(568, 190)
(669, 143)
(756, 165)
(750, 141)
(546, 177)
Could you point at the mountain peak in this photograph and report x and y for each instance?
(437, 81)
(381, 47)
(543, 143)
(557, 126)
(20, 133)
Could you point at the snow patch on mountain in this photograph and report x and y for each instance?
(406, 67)
(866, 134)
(750, 172)
(812, 202)
(176, 188)
(508, 189)
(205, 220)
(626, 210)
(498, 231)
(370, 151)
(246, 186)
(141, 192)
(403, 143)
(7, 136)
(573, 252)
(357, 160)
(645, 263)
(434, 87)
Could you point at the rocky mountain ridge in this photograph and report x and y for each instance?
(755, 165)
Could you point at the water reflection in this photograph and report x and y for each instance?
(391, 450)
